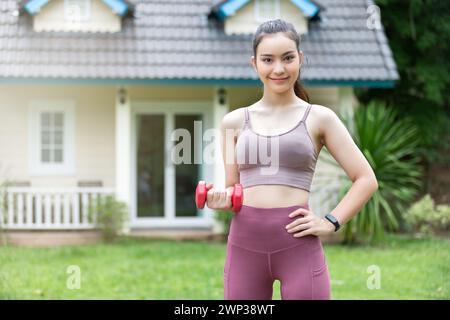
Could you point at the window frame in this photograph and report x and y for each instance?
(36, 167)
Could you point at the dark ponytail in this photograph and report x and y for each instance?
(300, 90)
(275, 26)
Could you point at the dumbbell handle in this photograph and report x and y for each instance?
(236, 197)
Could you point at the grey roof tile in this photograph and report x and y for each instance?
(173, 39)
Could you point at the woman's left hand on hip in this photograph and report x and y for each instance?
(308, 224)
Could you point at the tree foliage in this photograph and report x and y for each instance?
(419, 36)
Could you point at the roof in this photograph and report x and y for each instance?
(173, 41)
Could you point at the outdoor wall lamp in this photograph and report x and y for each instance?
(222, 93)
(122, 95)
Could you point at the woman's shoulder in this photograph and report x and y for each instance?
(323, 118)
(322, 113)
(234, 119)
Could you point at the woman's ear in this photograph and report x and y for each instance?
(253, 63)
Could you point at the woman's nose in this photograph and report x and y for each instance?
(279, 69)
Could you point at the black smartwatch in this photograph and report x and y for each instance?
(334, 221)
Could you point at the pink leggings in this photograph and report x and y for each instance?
(260, 250)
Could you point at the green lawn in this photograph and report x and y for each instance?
(149, 269)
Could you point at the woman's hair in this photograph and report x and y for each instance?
(275, 26)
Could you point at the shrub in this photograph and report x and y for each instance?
(225, 217)
(424, 217)
(110, 216)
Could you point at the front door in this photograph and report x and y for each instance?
(164, 189)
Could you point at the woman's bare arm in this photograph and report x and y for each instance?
(220, 199)
(228, 143)
(341, 146)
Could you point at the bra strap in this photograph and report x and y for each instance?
(306, 112)
(247, 117)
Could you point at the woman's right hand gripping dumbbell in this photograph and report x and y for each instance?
(230, 198)
(219, 199)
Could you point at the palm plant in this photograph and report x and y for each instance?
(391, 146)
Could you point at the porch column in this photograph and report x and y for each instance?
(123, 150)
(347, 102)
(220, 109)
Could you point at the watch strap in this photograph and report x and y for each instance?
(334, 221)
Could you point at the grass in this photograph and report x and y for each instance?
(150, 269)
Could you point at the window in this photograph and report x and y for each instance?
(51, 138)
(267, 10)
(77, 10)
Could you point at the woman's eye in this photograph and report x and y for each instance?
(287, 58)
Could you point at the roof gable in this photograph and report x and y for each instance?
(228, 8)
(118, 7)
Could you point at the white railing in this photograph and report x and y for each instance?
(50, 208)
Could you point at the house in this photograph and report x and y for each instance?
(91, 92)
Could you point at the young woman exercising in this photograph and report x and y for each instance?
(275, 235)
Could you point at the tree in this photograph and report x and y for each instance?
(419, 34)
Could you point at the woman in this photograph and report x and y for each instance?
(276, 235)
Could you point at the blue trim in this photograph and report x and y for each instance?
(191, 82)
(117, 6)
(34, 6)
(307, 7)
(229, 8)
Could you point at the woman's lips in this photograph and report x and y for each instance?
(279, 80)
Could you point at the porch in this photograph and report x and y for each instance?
(35, 208)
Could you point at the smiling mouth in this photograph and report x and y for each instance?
(279, 78)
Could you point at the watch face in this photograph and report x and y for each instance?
(331, 218)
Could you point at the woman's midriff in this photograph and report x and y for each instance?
(263, 229)
(272, 196)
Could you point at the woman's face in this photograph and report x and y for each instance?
(277, 58)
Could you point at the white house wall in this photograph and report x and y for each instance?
(94, 133)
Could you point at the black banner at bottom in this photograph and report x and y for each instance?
(216, 309)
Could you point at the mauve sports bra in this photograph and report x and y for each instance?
(294, 165)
